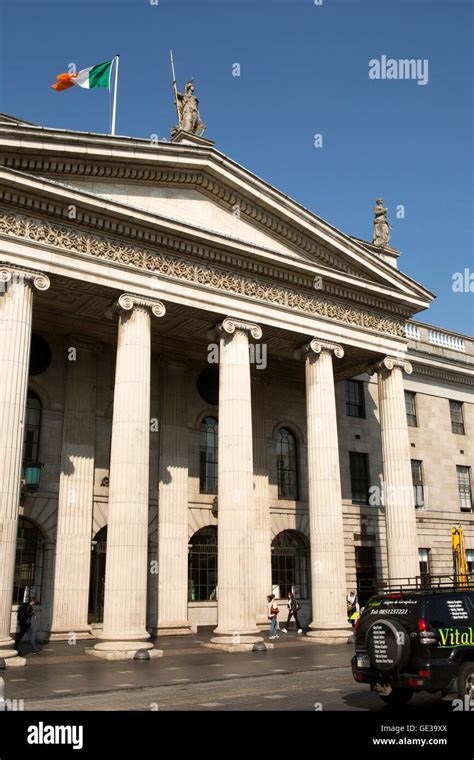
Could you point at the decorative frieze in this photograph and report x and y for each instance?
(181, 268)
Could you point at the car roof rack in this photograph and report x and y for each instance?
(421, 584)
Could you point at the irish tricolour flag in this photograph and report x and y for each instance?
(94, 76)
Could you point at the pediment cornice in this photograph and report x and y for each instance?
(201, 270)
(132, 230)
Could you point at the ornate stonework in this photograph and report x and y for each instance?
(129, 301)
(388, 363)
(8, 274)
(192, 271)
(231, 325)
(317, 347)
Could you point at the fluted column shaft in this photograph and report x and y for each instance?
(263, 553)
(173, 502)
(16, 311)
(400, 516)
(76, 493)
(236, 512)
(126, 572)
(329, 624)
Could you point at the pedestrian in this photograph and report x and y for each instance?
(25, 617)
(293, 607)
(273, 611)
(352, 605)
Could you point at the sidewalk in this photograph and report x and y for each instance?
(62, 670)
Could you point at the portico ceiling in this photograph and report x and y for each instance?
(73, 306)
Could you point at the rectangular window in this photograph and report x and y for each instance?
(464, 487)
(355, 402)
(410, 406)
(470, 561)
(359, 468)
(424, 560)
(457, 421)
(417, 478)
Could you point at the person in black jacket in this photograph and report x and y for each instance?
(25, 617)
(293, 607)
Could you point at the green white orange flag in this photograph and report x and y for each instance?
(94, 76)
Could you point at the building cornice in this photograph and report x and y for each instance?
(183, 267)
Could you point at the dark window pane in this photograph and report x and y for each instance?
(417, 478)
(208, 456)
(464, 487)
(359, 469)
(287, 466)
(410, 406)
(457, 421)
(355, 402)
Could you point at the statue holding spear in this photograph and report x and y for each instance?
(187, 107)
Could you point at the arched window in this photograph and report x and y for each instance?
(290, 563)
(208, 456)
(287, 465)
(203, 565)
(28, 562)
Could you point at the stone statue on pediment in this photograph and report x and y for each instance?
(382, 228)
(187, 107)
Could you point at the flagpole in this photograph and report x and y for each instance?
(114, 107)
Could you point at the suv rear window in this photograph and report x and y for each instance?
(447, 611)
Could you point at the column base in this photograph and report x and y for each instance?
(331, 634)
(63, 634)
(235, 643)
(123, 650)
(12, 658)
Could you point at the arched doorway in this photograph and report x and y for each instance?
(97, 578)
(290, 564)
(28, 577)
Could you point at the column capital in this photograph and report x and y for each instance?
(231, 325)
(317, 347)
(8, 273)
(130, 301)
(388, 363)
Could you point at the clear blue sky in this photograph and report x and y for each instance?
(304, 70)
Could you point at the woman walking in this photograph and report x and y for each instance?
(273, 611)
(293, 607)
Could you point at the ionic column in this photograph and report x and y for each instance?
(16, 311)
(173, 502)
(328, 582)
(126, 571)
(76, 494)
(263, 540)
(236, 627)
(400, 516)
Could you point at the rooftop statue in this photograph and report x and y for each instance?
(187, 108)
(381, 226)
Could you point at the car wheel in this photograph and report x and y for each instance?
(466, 681)
(397, 697)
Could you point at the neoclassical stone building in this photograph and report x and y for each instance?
(207, 392)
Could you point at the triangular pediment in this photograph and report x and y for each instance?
(199, 194)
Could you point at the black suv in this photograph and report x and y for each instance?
(417, 640)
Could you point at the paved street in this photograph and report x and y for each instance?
(296, 675)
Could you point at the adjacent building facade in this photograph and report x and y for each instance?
(207, 394)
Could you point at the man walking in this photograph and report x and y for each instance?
(25, 616)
